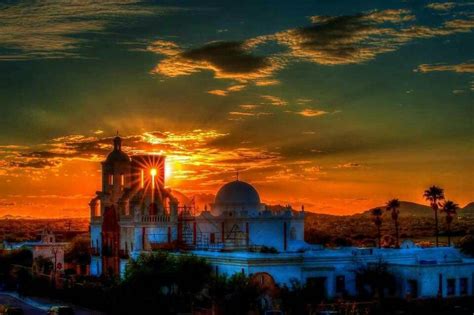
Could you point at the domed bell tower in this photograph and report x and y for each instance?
(116, 172)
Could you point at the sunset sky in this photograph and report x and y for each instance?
(337, 105)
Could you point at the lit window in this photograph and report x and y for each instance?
(97, 209)
(122, 180)
(111, 179)
(153, 173)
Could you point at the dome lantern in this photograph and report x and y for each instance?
(117, 155)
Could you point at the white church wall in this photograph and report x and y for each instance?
(427, 277)
(157, 234)
(267, 232)
(138, 237)
(296, 230)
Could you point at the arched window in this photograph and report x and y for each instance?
(153, 209)
(111, 179)
(97, 208)
(122, 180)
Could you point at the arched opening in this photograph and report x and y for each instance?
(153, 209)
(263, 280)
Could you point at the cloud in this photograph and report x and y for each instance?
(232, 88)
(227, 60)
(35, 163)
(242, 113)
(446, 6)
(193, 155)
(236, 113)
(164, 47)
(267, 82)
(337, 40)
(274, 100)
(248, 106)
(248, 111)
(302, 101)
(349, 165)
(49, 29)
(218, 92)
(441, 6)
(308, 112)
(328, 40)
(459, 68)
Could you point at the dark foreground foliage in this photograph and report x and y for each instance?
(169, 283)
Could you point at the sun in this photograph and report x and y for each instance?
(153, 172)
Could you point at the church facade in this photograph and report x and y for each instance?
(135, 213)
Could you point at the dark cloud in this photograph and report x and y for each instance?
(228, 60)
(228, 57)
(333, 40)
(48, 29)
(35, 163)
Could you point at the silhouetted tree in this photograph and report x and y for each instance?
(43, 265)
(434, 195)
(393, 206)
(377, 277)
(377, 219)
(22, 257)
(168, 282)
(449, 208)
(78, 251)
(466, 244)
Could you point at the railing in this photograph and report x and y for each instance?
(152, 218)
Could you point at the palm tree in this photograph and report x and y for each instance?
(449, 208)
(377, 218)
(393, 206)
(434, 195)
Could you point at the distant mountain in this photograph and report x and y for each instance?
(407, 209)
(16, 217)
(468, 210)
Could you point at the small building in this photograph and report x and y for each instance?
(46, 248)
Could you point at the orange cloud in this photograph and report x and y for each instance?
(308, 112)
(274, 100)
(459, 68)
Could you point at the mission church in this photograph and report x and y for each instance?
(136, 213)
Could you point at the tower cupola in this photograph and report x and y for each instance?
(117, 155)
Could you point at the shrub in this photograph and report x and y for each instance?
(466, 245)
